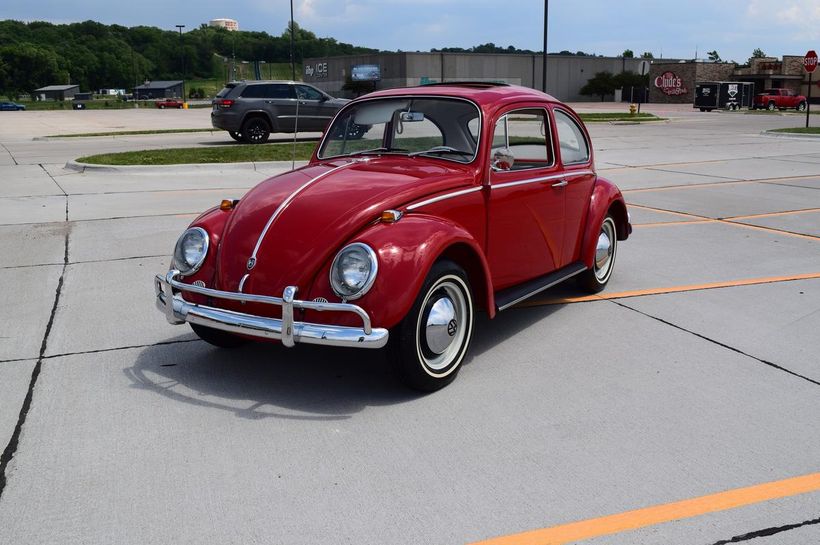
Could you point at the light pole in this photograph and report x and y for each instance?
(544, 68)
(182, 61)
(292, 65)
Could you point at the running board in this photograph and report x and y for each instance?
(506, 298)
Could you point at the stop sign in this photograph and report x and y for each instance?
(810, 61)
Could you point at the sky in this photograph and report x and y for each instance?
(734, 28)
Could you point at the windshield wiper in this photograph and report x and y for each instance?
(376, 151)
(441, 149)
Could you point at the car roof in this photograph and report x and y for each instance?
(482, 93)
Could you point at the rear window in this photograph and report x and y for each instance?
(226, 91)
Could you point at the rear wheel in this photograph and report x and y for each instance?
(801, 107)
(432, 340)
(595, 279)
(217, 337)
(236, 135)
(771, 107)
(255, 130)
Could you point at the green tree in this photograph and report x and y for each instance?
(758, 53)
(647, 55)
(713, 56)
(602, 84)
(628, 54)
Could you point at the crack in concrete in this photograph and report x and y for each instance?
(718, 343)
(13, 158)
(118, 348)
(766, 532)
(11, 447)
(129, 258)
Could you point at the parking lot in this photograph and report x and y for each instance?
(695, 373)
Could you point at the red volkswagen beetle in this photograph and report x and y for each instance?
(419, 207)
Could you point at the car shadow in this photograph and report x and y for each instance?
(266, 380)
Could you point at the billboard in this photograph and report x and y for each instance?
(365, 72)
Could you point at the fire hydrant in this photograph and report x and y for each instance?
(633, 108)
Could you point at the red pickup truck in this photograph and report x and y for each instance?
(779, 99)
(168, 103)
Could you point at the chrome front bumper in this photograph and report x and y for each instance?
(179, 311)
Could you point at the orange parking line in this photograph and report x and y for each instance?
(658, 514)
(690, 186)
(771, 230)
(773, 214)
(669, 223)
(672, 289)
(662, 211)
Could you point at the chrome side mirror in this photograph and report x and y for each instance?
(503, 159)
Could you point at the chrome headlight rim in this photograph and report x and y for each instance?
(374, 269)
(181, 265)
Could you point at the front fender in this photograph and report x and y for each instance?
(406, 251)
(606, 199)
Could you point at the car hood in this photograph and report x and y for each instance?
(292, 224)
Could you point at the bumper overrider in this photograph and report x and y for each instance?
(177, 310)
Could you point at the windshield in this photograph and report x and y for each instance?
(439, 127)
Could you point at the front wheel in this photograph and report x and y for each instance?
(595, 279)
(432, 340)
(801, 107)
(217, 337)
(771, 107)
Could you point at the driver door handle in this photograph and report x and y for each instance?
(562, 183)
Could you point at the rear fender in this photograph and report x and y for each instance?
(606, 199)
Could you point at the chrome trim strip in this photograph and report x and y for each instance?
(444, 197)
(541, 288)
(178, 311)
(287, 201)
(561, 176)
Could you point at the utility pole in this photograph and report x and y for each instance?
(182, 62)
(292, 62)
(544, 68)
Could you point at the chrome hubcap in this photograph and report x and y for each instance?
(442, 325)
(605, 250)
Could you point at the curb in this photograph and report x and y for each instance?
(202, 167)
(798, 136)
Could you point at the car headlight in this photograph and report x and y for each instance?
(353, 271)
(190, 251)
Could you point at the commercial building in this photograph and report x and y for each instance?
(674, 82)
(158, 89)
(566, 74)
(57, 92)
(229, 24)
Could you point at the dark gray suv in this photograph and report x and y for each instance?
(251, 110)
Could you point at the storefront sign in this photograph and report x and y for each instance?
(774, 66)
(318, 70)
(670, 84)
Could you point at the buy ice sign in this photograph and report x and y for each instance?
(670, 84)
(810, 61)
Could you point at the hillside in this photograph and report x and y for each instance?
(96, 56)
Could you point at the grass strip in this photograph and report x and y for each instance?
(605, 117)
(799, 130)
(129, 133)
(215, 154)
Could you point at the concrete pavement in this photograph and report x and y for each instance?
(136, 432)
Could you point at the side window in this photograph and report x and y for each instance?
(574, 146)
(253, 91)
(308, 93)
(279, 90)
(526, 136)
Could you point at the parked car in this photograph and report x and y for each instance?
(168, 103)
(11, 106)
(779, 99)
(459, 197)
(251, 110)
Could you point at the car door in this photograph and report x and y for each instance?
(526, 209)
(315, 111)
(575, 158)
